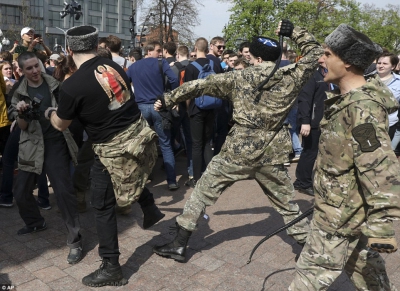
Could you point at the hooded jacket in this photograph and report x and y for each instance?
(357, 174)
(31, 143)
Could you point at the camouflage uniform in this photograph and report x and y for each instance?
(258, 144)
(356, 186)
(129, 158)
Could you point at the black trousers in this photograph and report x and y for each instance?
(57, 166)
(82, 170)
(308, 156)
(103, 202)
(201, 128)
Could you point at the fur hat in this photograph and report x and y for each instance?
(266, 48)
(353, 47)
(82, 38)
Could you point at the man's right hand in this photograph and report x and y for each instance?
(305, 129)
(157, 105)
(22, 106)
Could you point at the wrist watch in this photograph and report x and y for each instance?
(49, 113)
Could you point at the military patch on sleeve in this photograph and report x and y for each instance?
(365, 135)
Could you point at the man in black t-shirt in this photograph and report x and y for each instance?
(43, 147)
(124, 145)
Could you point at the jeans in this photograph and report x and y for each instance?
(9, 157)
(291, 119)
(164, 138)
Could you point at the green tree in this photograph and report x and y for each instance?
(320, 17)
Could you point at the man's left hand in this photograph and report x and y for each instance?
(46, 113)
(157, 105)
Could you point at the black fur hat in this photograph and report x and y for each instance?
(82, 38)
(266, 48)
(353, 47)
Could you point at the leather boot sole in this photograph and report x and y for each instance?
(176, 257)
(121, 282)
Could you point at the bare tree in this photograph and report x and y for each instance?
(173, 18)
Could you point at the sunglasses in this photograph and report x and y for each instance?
(220, 47)
(193, 56)
(159, 51)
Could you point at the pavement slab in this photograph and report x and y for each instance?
(216, 256)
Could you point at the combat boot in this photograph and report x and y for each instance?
(151, 215)
(107, 274)
(177, 248)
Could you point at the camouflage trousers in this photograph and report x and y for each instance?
(220, 174)
(129, 158)
(325, 256)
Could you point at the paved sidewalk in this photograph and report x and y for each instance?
(217, 253)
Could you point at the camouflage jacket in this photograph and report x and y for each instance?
(258, 136)
(357, 174)
(129, 157)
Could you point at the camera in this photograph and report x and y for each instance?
(37, 35)
(33, 111)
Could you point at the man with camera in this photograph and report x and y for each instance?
(29, 41)
(43, 147)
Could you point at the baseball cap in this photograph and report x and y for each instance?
(26, 30)
(54, 57)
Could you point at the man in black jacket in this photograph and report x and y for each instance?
(310, 112)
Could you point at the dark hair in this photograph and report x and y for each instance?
(104, 53)
(65, 66)
(394, 60)
(170, 47)
(136, 54)
(6, 56)
(114, 43)
(42, 56)
(243, 45)
(151, 46)
(227, 52)
(103, 40)
(241, 61)
(23, 57)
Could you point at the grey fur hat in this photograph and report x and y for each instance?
(82, 38)
(353, 47)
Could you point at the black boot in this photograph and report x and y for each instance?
(151, 215)
(177, 248)
(107, 274)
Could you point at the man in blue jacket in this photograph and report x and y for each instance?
(148, 79)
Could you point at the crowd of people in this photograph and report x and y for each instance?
(237, 115)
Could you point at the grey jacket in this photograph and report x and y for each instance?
(31, 143)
